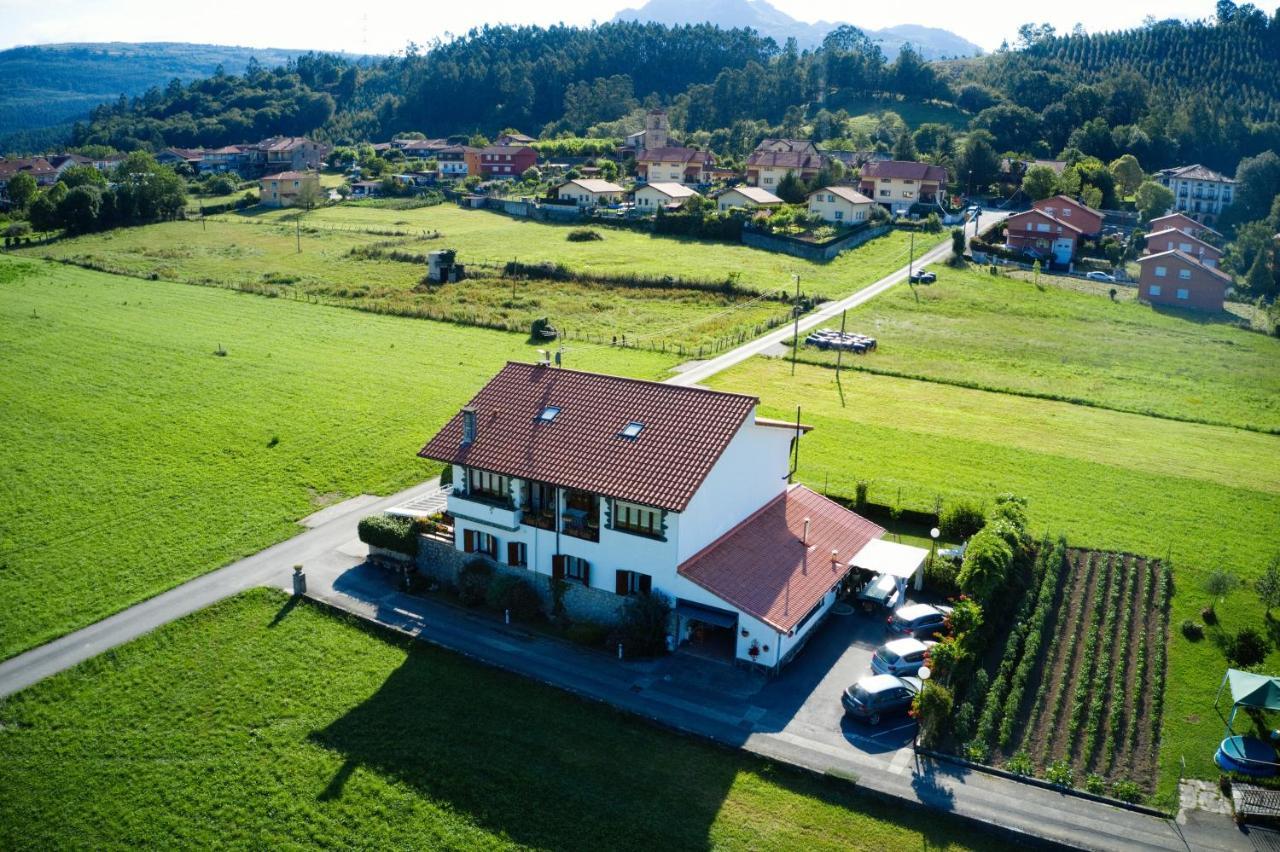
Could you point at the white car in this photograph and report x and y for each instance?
(1101, 276)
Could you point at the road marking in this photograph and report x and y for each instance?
(900, 760)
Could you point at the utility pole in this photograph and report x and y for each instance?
(911, 259)
(298, 221)
(840, 348)
(795, 310)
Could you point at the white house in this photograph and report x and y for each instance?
(1198, 190)
(840, 205)
(632, 487)
(589, 193)
(651, 196)
(748, 197)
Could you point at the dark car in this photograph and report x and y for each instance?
(919, 620)
(923, 278)
(877, 696)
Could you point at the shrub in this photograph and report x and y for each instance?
(1095, 783)
(1193, 630)
(986, 564)
(645, 624)
(473, 582)
(1020, 764)
(977, 752)
(1059, 772)
(514, 595)
(940, 576)
(537, 327)
(961, 520)
(583, 235)
(1126, 791)
(932, 707)
(587, 633)
(860, 495)
(1247, 648)
(1208, 615)
(389, 532)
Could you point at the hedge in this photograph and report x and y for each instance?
(390, 533)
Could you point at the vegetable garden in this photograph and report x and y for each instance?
(1078, 692)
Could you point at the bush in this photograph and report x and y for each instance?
(1020, 764)
(583, 235)
(932, 707)
(1247, 648)
(645, 624)
(1208, 616)
(1126, 791)
(1095, 784)
(587, 633)
(986, 564)
(473, 582)
(514, 595)
(1193, 630)
(390, 533)
(940, 576)
(860, 495)
(961, 520)
(537, 327)
(1059, 772)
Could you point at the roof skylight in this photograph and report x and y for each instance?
(549, 413)
(632, 429)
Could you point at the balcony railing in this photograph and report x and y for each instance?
(490, 511)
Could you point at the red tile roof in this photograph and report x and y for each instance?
(763, 566)
(848, 193)
(1066, 199)
(685, 432)
(1178, 220)
(1190, 261)
(674, 155)
(903, 169)
(287, 176)
(1037, 213)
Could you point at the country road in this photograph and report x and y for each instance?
(702, 371)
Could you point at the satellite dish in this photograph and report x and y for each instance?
(925, 673)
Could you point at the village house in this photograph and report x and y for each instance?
(452, 161)
(656, 133)
(618, 487)
(228, 158)
(181, 156)
(1181, 222)
(421, 149)
(588, 192)
(62, 162)
(1038, 233)
(1066, 209)
(899, 184)
(675, 165)
(746, 197)
(514, 140)
(774, 159)
(840, 205)
(1170, 239)
(1178, 279)
(1198, 190)
(38, 167)
(651, 197)
(366, 188)
(291, 153)
(282, 189)
(506, 161)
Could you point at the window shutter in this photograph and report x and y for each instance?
(586, 573)
(620, 582)
(469, 541)
(513, 553)
(557, 567)
(646, 584)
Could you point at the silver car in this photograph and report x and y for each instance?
(900, 657)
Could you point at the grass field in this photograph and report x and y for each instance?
(1207, 496)
(136, 459)
(978, 330)
(300, 728)
(347, 258)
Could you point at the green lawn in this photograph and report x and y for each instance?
(975, 329)
(346, 260)
(300, 728)
(136, 459)
(1209, 496)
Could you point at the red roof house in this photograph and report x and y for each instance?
(1039, 234)
(506, 161)
(1177, 279)
(1067, 209)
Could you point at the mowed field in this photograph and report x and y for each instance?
(135, 458)
(301, 728)
(373, 258)
(999, 333)
(1206, 496)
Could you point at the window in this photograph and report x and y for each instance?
(517, 554)
(565, 567)
(474, 541)
(638, 519)
(1066, 212)
(906, 193)
(768, 180)
(839, 215)
(632, 583)
(1183, 294)
(1161, 272)
(1153, 290)
(632, 429)
(549, 413)
(831, 198)
(1184, 274)
(908, 180)
(485, 483)
(1183, 246)
(885, 193)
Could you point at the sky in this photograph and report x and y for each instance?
(332, 26)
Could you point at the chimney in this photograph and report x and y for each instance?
(835, 559)
(468, 425)
(805, 539)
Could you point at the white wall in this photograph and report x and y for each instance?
(827, 210)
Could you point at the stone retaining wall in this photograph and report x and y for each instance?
(812, 251)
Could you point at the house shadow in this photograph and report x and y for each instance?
(1223, 317)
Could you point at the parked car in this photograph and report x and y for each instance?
(923, 278)
(1100, 276)
(877, 696)
(900, 657)
(918, 620)
(882, 590)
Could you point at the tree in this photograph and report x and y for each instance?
(1153, 200)
(1268, 585)
(978, 163)
(79, 212)
(82, 176)
(1219, 584)
(43, 213)
(1257, 185)
(1040, 182)
(904, 147)
(21, 189)
(1128, 173)
(957, 242)
(932, 708)
(986, 564)
(791, 189)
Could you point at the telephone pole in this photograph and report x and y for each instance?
(795, 310)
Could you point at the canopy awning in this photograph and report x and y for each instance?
(1254, 690)
(888, 557)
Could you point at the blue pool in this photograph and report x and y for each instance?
(1248, 755)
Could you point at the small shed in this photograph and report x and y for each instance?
(889, 558)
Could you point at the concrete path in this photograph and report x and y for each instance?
(330, 529)
(701, 371)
